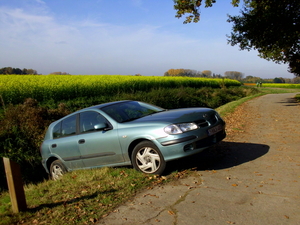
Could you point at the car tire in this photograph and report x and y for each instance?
(147, 158)
(57, 169)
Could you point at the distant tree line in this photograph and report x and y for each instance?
(253, 79)
(17, 71)
(60, 73)
(235, 75)
(191, 73)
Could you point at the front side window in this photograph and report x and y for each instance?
(88, 121)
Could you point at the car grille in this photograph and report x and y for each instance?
(208, 121)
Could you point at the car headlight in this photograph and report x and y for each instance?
(180, 128)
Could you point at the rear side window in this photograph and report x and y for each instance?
(57, 131)
(68, 126)
(65, 128)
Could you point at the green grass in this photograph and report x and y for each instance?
(275, 90)
(228, 108)
(80, 197)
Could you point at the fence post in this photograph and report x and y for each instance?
(15, 185)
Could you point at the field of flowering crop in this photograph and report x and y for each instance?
(273, 85)
(15, 88)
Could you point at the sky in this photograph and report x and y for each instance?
(125, 37)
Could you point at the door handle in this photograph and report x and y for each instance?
(81, 141)
(53, 145)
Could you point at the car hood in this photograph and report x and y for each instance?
(177, 115)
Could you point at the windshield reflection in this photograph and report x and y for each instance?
(131, 110)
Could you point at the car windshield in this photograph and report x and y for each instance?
(131, 110)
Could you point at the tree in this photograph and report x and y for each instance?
(278, 80)
(191, 8)
(18, 71)
(296, 80)
(6, 70)
(182, 73)
(24, 71)
(271, 27)
(251, 79)
(217, 75)
(59, 73)
(206, 73)
(234, 75)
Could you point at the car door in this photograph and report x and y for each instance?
(98, 146)
(65, 143)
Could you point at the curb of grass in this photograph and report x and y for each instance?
(230, 107)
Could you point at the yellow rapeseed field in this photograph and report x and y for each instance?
(15, 88)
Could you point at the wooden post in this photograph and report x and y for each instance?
(15, 185)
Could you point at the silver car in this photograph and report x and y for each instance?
(128, 133)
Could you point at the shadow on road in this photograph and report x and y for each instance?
(290, 102)
(222, 156)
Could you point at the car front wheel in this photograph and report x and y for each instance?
(147, 158)
(57, 169)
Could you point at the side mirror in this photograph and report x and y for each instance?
(102, 126)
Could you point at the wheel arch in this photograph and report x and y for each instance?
(49, 161)
(133, 144)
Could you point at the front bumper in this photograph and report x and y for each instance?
(190, 144)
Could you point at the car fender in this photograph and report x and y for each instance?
(128, 138)
(51, 158)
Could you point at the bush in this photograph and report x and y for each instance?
(22, 130)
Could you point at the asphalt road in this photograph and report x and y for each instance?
(253, 177)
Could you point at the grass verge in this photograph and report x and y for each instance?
(228, 108)
(79, 197)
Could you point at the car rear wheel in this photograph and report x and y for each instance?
(57, 169)
(147, 158)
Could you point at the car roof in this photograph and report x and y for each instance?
(105, 104)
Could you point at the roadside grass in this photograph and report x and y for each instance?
(80, 197)
(278, 90)
(86, 196)
(228, 108)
